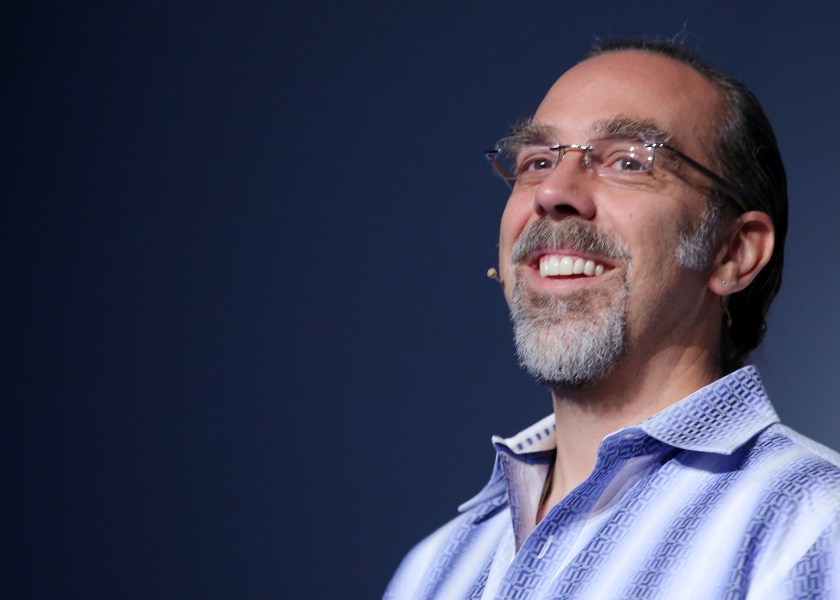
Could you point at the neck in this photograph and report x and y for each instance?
(628, 395)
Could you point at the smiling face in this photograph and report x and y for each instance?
(590, 262)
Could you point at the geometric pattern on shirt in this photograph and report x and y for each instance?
(554, 535)
(725, 430)
(731, 411)
(456, 547)
(813, 574)
(478, 587)
(804, 481)
(646, 495)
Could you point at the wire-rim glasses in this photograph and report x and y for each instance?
(622, 160)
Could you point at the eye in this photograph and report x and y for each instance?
(627, 163)
(626, 157)
(536, 164)
(535, 160)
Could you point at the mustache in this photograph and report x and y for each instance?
(569, 234)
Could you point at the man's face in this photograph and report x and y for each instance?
(633, 299)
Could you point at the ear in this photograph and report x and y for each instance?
(749, 247)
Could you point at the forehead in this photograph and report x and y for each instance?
(633, 85)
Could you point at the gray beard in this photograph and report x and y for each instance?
(569, 342)
(573, 341)
(696, 248)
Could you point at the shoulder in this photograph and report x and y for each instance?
(464, 544)
(819, 451)
(797, 456)
(414, 568)
(799, 478)
(794, 524)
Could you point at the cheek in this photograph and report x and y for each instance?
(655, 266)
(514, 220)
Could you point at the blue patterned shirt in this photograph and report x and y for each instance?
(710, 498)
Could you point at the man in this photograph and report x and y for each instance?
(639, 252)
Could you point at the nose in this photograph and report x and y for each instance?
(566, 191)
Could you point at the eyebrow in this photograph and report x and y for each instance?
(528, 131)
(621, 126)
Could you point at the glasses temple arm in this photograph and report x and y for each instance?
(490, 155)
(734, 192)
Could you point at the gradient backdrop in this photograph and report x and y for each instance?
(251, 349)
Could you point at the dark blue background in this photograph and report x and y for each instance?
(251, 350)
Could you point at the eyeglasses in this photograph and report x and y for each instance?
(623, 161)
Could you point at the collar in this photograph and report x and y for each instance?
(718, 418)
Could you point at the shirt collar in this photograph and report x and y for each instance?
(534, 444)
(718, 418)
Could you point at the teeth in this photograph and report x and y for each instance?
(549, 265)
(552, 265)
(567, 265)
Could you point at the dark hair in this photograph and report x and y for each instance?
(745, 152)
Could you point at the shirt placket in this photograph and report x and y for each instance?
(546, 550)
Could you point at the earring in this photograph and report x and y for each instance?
(492, 273)
(725, 306)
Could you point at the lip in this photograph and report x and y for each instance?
(534, 258)
(531, 269)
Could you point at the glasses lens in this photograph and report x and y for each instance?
(524, 160)
(621, 157)
(625, 159)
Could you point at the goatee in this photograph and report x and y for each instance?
(570, 341)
